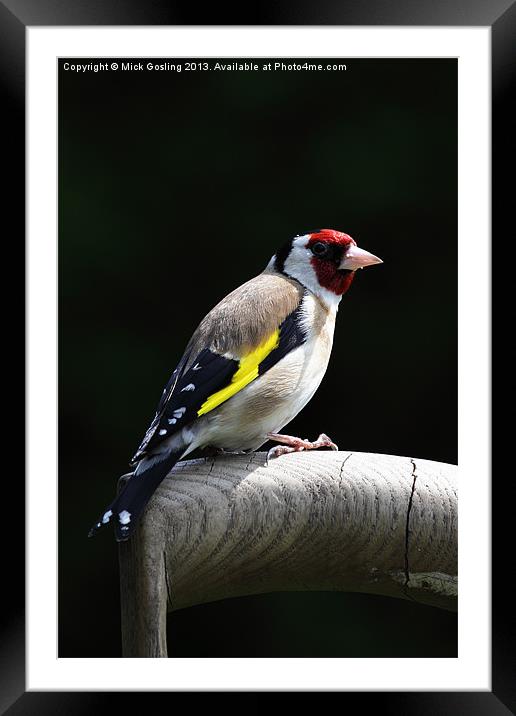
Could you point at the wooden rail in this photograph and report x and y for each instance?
(230, 526)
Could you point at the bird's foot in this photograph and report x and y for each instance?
(292, 444)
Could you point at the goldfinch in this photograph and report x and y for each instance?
(252, 364)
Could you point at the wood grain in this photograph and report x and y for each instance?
(342, 521)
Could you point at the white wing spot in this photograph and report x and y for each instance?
(172, 421)
(124, 517)
(163, 431)
(106, 517)
(179, 412)
(190, 386)
(197, 367)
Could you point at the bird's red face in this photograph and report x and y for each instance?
(324, 261)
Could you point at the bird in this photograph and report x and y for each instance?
(250, 367)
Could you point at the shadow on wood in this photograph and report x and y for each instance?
(336, 521)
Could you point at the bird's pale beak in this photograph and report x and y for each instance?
(356, 258)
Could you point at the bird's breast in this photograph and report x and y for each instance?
(274, 399)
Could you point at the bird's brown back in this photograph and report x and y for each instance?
(247, 316)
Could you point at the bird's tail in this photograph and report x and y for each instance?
(127, 507)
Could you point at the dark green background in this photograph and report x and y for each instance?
(174, 188)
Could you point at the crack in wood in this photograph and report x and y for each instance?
(342, 467)
(169, 594)
(407, 530)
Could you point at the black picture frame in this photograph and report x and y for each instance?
(15, 17)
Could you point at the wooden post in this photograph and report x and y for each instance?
(231, 526)
(143, 593)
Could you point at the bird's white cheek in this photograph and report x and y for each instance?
(298, 265)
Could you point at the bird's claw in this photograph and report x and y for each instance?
(293, 444)
(325, 441)
(280, 450)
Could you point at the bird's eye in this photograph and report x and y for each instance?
(319, 249)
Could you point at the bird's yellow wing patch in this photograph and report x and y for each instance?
(247, 372)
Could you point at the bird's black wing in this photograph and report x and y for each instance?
(165, 397)
(213, 378)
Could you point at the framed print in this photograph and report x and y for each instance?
(164, 163)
